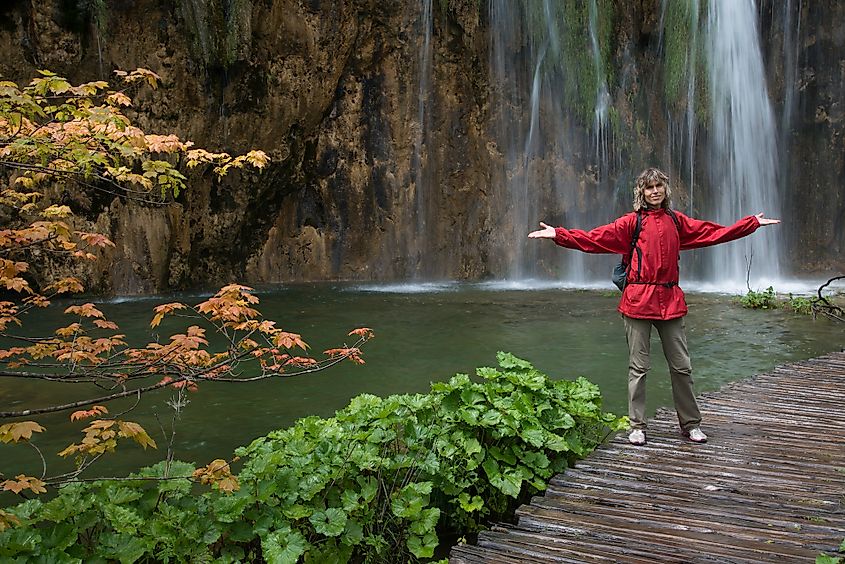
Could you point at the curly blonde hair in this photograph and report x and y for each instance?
(650, 176)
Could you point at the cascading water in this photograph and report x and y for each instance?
(421, 164)
(551, 93)
(531, 58)
(602, 95)
(682, 19)
(743, 167)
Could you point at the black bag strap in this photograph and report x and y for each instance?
(635, 237)
(675, 219)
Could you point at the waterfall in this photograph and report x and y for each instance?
(551, 90)
(421, 164)
(743, 166)
(535, 55)
(602, 96)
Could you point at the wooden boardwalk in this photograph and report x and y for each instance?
(769, 486)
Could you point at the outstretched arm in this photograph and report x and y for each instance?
(695, 233)
(611, 238)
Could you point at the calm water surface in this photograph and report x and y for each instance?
(423, 334)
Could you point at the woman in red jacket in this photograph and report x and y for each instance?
(652, 296)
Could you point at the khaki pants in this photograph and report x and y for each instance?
(674, 340)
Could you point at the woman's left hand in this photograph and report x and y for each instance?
(765, 220)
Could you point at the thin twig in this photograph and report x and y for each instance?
(43, 462)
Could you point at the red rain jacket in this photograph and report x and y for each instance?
(660, 242)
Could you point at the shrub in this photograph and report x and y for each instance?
(378, 482)
(759, 300)
(799, 304)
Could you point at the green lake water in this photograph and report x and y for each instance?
(423, 333)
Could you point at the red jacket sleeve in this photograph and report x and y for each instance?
(611, 238)
(695, 233)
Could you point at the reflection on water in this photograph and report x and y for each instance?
(424, 335)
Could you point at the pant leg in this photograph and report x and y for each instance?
(674, 340)
(638, 335)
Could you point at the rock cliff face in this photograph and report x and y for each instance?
(383, 122)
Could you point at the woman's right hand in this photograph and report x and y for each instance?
(547, 232)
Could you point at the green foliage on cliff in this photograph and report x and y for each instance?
(220, 31)
(565, 28)
(684, 55)
(375, 483)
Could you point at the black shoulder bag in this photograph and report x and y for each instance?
(620, 271)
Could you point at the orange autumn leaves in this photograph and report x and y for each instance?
(59, 136)
(15, 433)
(232, 314)
(252, 348)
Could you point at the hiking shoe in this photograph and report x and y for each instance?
(637, 437)
(696, 435)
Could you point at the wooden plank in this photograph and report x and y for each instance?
(768, 487)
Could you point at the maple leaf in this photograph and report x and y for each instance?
(301, 361)
(363, 332)
(247, 344)
(190, 385)
(164, 309)
(289, 340)
(66, 285)
(164, 143)
(10, 269)
(95, 411)
(56, 211)
(15, 432)
(258, 159)
(137, 433)
(218, 474)
(86, 310)
(102, 324)
(70, 330)
(16, 284)
(22, 482)
(69, 450)
(95, 239)
(118, 99)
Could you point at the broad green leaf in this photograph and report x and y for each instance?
(369, 487)
(470, 505)
(283, 546)
(491, 418)
(491, 468)
(330, 522)
(508, 482)
(471, 396)
(423, 547)
(349, 499)
(426, 521)
(488, 373)
(534, 437)
(353, 533)
(469, 416)
(509, 361)
(556, 443)
(124, 547)
(505, 455)
(409, 501)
